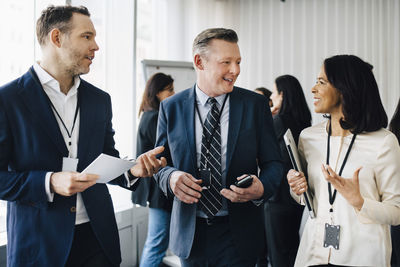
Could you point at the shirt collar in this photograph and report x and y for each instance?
(203, 97)
(46, 79)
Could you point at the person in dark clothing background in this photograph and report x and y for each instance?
(263, 259)
(265, 92)
(282, 213)
(158, 87)
(394, 127)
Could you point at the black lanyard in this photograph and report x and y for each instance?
(65, 127)
(36, 78)
(208, 140)
(333, 197)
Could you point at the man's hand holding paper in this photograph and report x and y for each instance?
(69, 183)
(104, 169)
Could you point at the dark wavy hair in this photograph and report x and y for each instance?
(361, 103)
(157, 83)
(267, 93)
(394, 125)
(294, 104)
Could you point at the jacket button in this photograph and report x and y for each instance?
(73, 209)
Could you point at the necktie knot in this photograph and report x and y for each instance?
(212, 101)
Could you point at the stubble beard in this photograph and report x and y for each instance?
(76, 69)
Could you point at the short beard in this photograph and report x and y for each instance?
(74, 70)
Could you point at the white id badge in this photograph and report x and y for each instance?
(70, 165)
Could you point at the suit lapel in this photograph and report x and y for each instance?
(235, 118)
(87, 115)
(188, 117)
(36, 101)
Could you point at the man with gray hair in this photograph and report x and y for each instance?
(216, 134)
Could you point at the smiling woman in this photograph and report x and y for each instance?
(326, 97)
(356, 159)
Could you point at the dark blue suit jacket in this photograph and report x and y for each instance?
(40, 233)
(251, 145)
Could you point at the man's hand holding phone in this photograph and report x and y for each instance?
(244, 182)
(246, 188)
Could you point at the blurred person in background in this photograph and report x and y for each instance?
(282, 213)
(158, 87)
(263, 260)
(265, 92)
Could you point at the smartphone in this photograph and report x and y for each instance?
(245, 182)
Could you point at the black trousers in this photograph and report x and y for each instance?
(86, 250)
(213, 246)
(395, 233)
(282, 223)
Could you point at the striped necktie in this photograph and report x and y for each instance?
(211, 200)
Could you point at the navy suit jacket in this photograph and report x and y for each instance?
(251, 145)
(40, 233)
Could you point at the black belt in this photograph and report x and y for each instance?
(214, 220)
(85, 226)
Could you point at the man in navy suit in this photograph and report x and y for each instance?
(215, 134)
(53, 125)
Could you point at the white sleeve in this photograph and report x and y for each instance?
(50, 195)
(128, 181)
(387, 177)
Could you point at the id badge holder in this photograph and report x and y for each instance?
(205, 175)
(70, 164)
(331, 236)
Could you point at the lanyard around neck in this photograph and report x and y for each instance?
(208, 140)
(333, 197)
(62, 121)
(220, 112)
(36, 78)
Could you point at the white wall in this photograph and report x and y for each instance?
(113, 67)
(291, 37)
(113, 71)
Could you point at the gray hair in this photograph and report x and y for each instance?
(202, 40)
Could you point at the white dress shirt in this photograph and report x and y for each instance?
(204, 108)
(65, 106)
(365, 234)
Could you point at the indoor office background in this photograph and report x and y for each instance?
(275, 37)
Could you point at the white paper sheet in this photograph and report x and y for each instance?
(108, 167)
